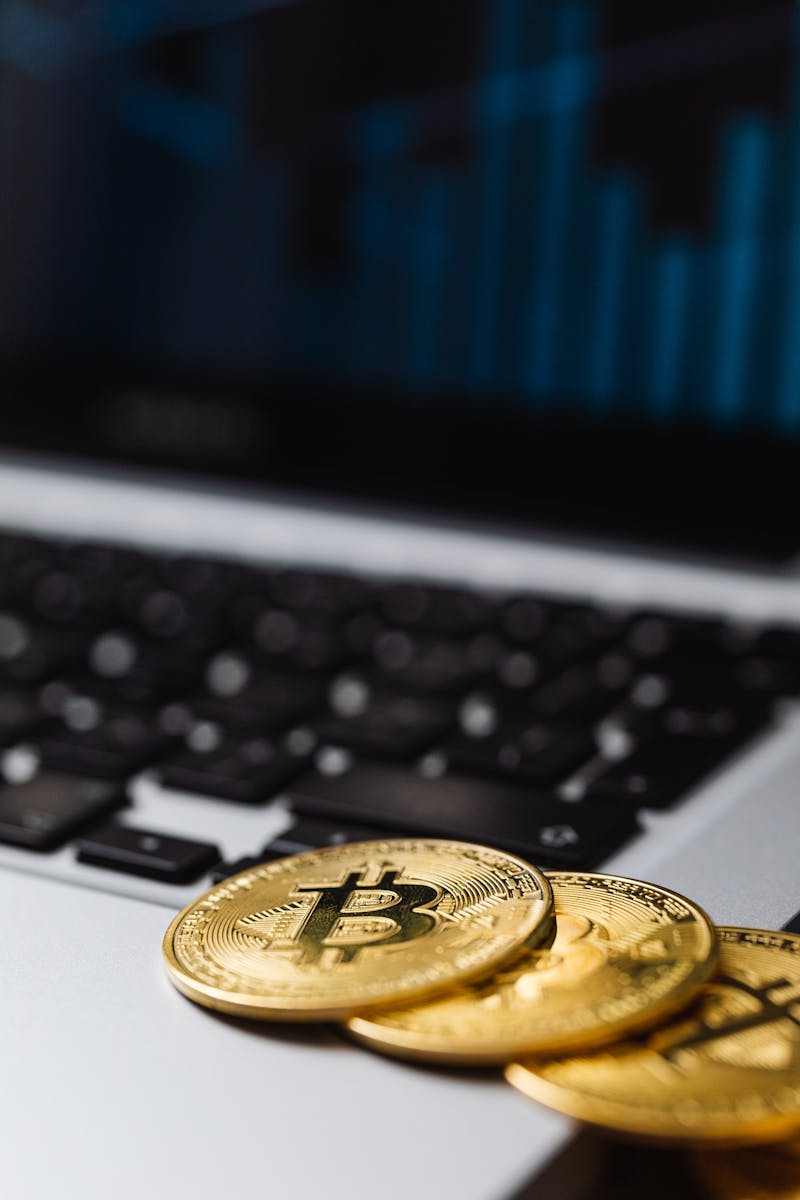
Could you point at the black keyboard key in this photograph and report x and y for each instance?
(162, 613)
(769, 677)
(19, 716)
(47, 810)
(733, 717)
(529, 753)
(661, 771)
(657, 636)
(205, 582)
(251, 714)
(161, 618)
(59, 597)
(24, 573)
(148, 603)
(298, 643)
(708, 657)
(122, 657)
(453, 611)
(143, 852)
(101, 567)
(132, 693)
(323, 593)
(16, 548)
(29, 652)
(524, 619)
(474, 810)
(312, 833)
(361, 632)
(577, 632)
(110, 744)
(382, 725)
(246, 769)
(200, 580)
(403, 661)
(654, 712)
(750, 678)
(583, 693)
(781, 643)
(294, 639)
(238, 697)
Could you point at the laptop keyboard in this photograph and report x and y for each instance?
(539, 725)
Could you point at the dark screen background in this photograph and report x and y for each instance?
(574, 214)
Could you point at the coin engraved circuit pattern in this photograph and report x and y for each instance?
(726, 1073)
(626, 954)
(324, 934)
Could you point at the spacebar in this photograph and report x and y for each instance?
(513, 818)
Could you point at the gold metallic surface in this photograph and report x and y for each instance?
(324, 934)
(626, 955)
(747, 1174)
(726, 1073)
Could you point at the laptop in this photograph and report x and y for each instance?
(400, 434)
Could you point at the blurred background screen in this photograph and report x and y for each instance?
(508, 221)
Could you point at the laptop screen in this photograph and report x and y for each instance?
(527, 259)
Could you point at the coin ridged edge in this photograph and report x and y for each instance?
(398, 1044)
(359, 1027)
(730, 1136)
(770, 1130)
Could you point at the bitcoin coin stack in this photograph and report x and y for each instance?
(611, 1000)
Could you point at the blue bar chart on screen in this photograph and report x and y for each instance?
(516, 220)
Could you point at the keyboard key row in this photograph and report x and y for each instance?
(664, 750)
(426, 708)
(511, 817)
(48, 810)
(51, 809)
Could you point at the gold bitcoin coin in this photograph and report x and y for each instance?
(323, 934)
(727, 1073)
(626, 954)
(747, 1174)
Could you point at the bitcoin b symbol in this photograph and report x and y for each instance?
(339, 920)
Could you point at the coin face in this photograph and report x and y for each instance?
(626, 954)
(727, 1073)
(747, 1174)
(324, 934)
